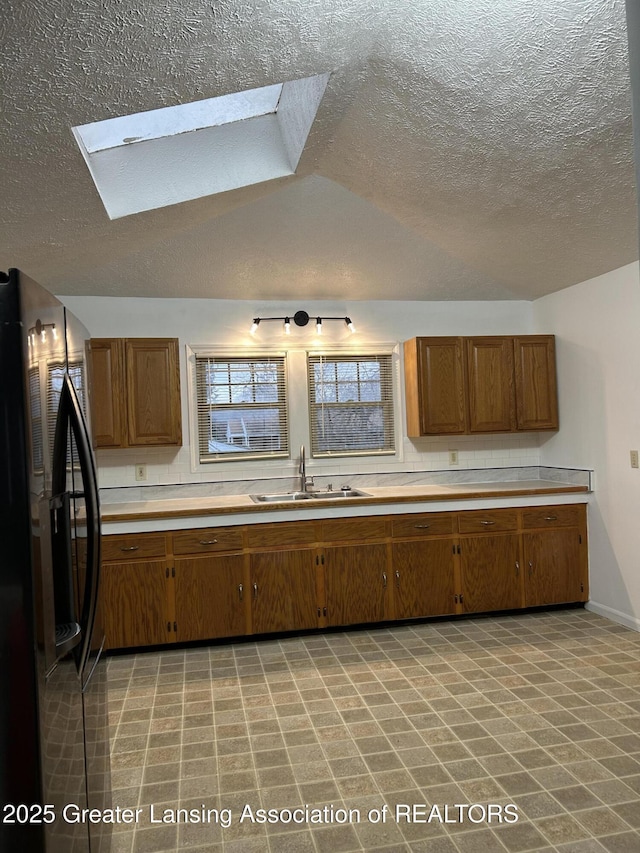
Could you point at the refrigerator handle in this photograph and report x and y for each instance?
(71, 412)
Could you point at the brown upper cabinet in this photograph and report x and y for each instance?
(480, 385)
(136, 392)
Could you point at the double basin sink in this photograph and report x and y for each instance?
(290, 497)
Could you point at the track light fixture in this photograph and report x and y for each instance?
(300, 318)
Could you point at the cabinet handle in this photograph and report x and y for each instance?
(517, 568)
(530, 568)
(551, 518)
(397, 577)
(487, 523)
(255, 590)
(421, 526)
(208, 541)
(130, 548)
(240, 591)
(384, 580)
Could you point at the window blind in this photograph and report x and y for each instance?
(351, 404)
(241, 407)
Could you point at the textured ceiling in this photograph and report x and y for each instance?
(464, 149)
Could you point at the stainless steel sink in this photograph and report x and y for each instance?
(289, 497)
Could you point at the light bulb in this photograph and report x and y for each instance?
(287, 326)
(319, 326)
(254, 327)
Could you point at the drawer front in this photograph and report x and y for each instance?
(282, 533)
(208, 540)
(554, 516)
(354, 529)
(431, 524)
(487, 521)
(133, 547)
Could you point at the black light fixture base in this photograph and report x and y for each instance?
(301, 318)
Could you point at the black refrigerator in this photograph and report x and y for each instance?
(54, 739)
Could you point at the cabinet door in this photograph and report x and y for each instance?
(490, 573)
(153, 391)
(553, 563)
(490, 384)
(434, 386)
(535, 382)
(107, 398)
(133, 599)
(209, 594)
(356, 580)
(423, 581)
(283, 591)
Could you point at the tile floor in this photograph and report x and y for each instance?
(539, 712)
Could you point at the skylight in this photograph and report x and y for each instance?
(173, 154)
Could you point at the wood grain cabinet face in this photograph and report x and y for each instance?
(153, 386)
(356, 581)
(535, 382)
(209, 596)
(490, 384)
(136, 392)
(133, 601)
(423, 578)
(108, 404)
(491, 575)
(476, 385)
(435, 386)
(283, 591)
(555, 559)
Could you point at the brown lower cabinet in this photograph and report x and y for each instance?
(490, 573)
(283, 591)
(209, 597)
(423, 578)
(133, 601)
(356, 581)
(290, 576)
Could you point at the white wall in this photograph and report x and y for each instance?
(227, 322)
(597, 328)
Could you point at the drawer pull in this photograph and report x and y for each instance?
(129, 548)
(421, 526)
(208, 541)
(487, 523)
(551, 518)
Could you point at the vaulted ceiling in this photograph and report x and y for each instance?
(464, 149)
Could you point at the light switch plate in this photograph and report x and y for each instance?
(141, 472)
(634, 459)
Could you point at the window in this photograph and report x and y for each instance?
(351, 404)
(241, 407)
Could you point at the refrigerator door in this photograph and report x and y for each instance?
(42, 751)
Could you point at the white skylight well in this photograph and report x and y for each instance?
(162, 157)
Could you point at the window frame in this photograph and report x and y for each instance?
(298, 410)
(388, 399)
(200, 460)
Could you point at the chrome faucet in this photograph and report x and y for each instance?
(305, 482)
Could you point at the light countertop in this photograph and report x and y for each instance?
(236, 509)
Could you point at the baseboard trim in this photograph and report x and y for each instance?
(615, 615)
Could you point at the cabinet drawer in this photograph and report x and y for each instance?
(553, 516)
(282, 533)
(208, 540)
(487, 521)
(345, 529)
(132, 547)
(431, 524)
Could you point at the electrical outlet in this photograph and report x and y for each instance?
(141, 472)
(634, 459)
(453, 457)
